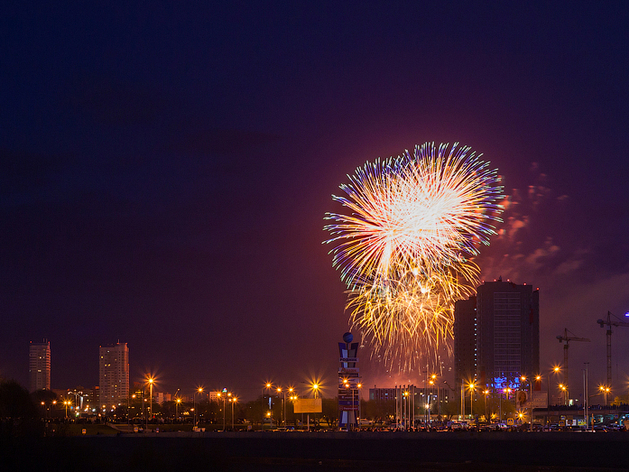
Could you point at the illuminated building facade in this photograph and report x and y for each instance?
(113, 374)
(497, 335)
(39, 365)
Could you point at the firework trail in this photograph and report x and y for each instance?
(404, 247)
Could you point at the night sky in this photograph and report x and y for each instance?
(165, 170)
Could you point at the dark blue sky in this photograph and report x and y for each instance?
(164, 172)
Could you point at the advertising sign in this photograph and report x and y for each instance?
(308, 405)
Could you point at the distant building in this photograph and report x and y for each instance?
(213, 396)
(39, 365)
(161, 397)
(465, 337)
(497, 335)
(382, 394)
(419, 397)
(113, 374)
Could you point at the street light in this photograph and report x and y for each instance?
(604, 390)
(267, 386)
(233, 400)
(506, 391)
(283, 411)
(359, 386)
(199, 390)
(177, 402)
(564, 389)
(485, 393)
(151, 380)
(555, 370)
(471, 387)
(406, 398)
(433, 382)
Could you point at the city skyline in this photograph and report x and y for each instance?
(468, 351)
(165, 172)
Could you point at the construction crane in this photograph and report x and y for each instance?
(565, 338)
(609, 323)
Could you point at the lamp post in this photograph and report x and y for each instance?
(359, 386)
(507, 391)
(563, 389)
(233, 401)
(282, 392)
(177, 402)
(485, 393)
(293, 399)
(176, 397)
(151, 380)
(538, 378)
(315, 391)
(433, 382)
(282, 395)
(554, 370)
(224, 396)
(290, 390)
(199, 390)
(266, 388)
(471, 387)
(604, 389)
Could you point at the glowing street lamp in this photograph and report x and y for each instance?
(604, 390)
(224, 394)
(359, 386)
(471, 387)
(177, 402)
(150, 381)
(198, 390)
(233, 400)
(267, 386)
(506, 391)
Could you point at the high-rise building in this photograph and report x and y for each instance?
(39, 365)
(465, 336)
(497, 334)
(113, 374)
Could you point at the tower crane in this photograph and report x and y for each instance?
(565, 338)
(609, 323)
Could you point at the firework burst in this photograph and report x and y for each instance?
(403, 248)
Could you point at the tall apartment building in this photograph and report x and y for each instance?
(39, 365)
(465, 336)
(503, 329)
(113, 375)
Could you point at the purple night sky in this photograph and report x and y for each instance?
(165, 170)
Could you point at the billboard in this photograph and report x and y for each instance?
(308, 405)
